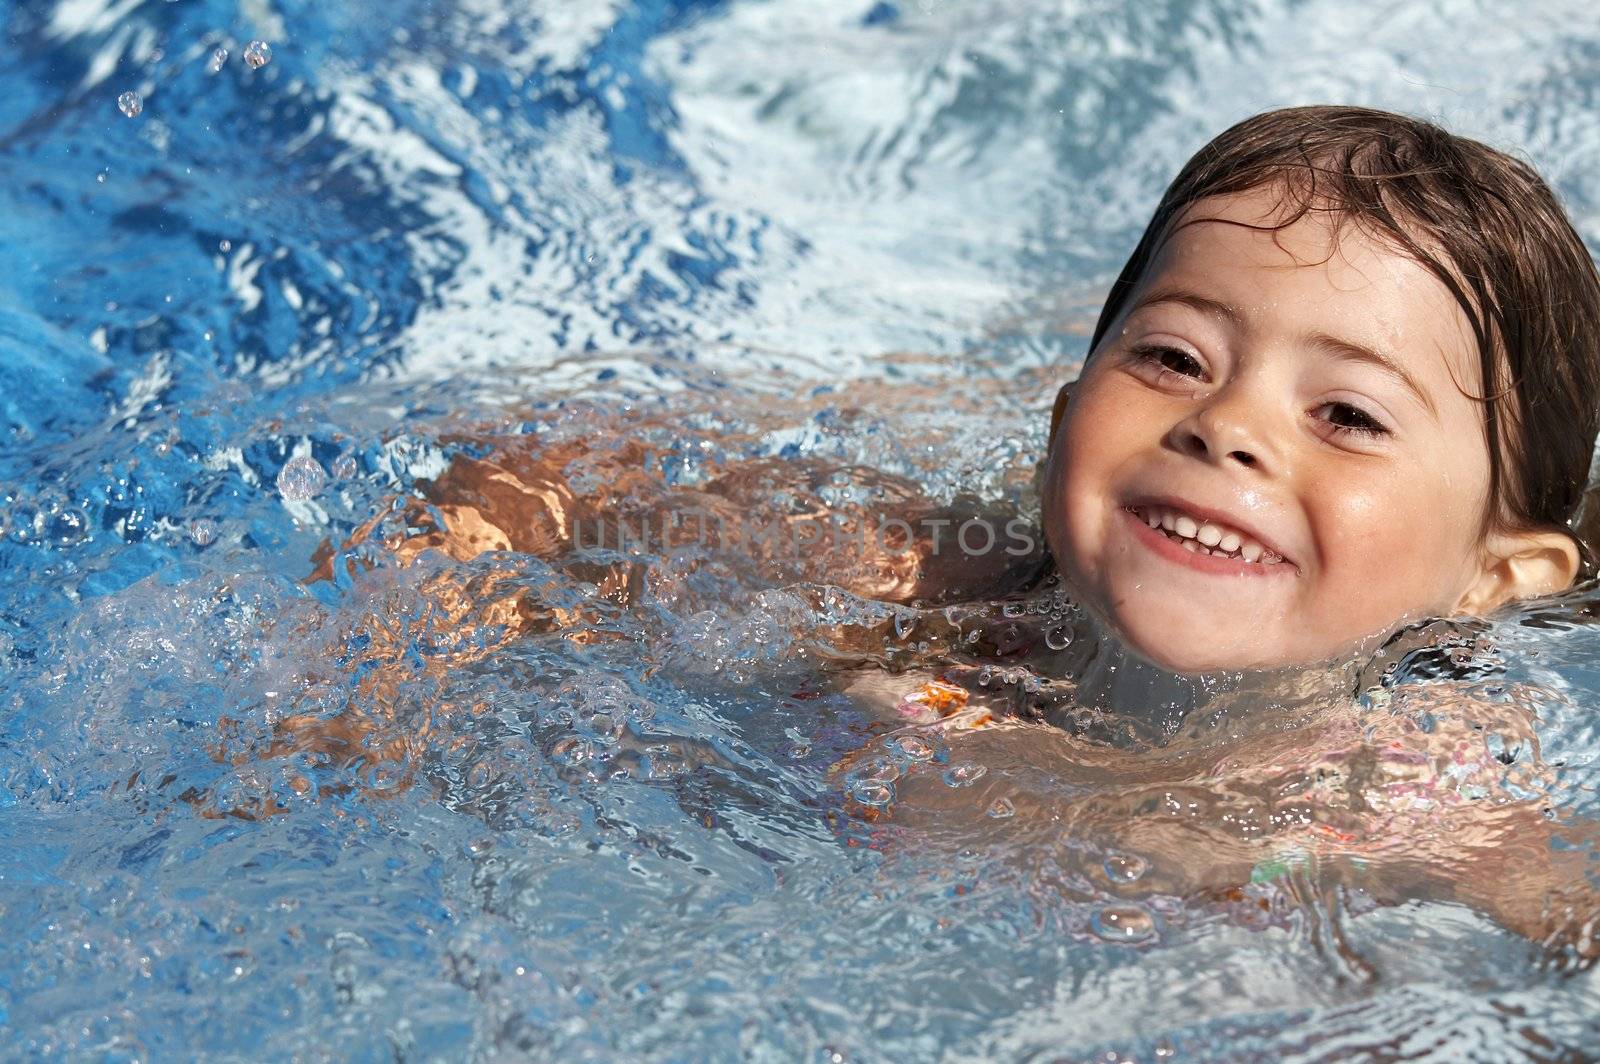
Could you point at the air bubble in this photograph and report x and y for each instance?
(224, 246)
(573, 751)
(344, 467)
(301, 478)
(130, 104)
(218, 57)
(389, 776)
(875, 770)
(911, 748)
(1125, 867)
(1001, 808)
(257, 54)
(872, 792)
(1123, 923)
(202, 531)
(965, 774)
(69, 527)
(1058, 638)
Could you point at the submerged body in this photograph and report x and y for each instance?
(1062, 759)
(1400, 801)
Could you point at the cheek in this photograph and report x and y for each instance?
(1084, 455)
(1397, 533)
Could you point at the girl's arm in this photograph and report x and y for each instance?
(787, 520)
(1537, 877)
(1063, 799)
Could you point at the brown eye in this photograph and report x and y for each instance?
(1171, 360)
(1343, 417)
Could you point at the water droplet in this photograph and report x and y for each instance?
(301, 478)
(257, 54)
(964, 774)
(130, 104)
(875, 770)
(911, 748)
(202, 531)
(1058, 638)
(1001, 808)
(872, 792)
(218, 57)
(69, 527)
(1123, 923)
(1125, 867)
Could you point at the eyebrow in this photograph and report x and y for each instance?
(1337, 347)
(1347, 351)
(1211, 307)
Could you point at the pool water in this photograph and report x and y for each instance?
(275, 784)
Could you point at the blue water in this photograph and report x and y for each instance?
(870, 235)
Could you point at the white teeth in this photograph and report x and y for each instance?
(1205, 537)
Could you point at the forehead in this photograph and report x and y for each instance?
(1319, 273)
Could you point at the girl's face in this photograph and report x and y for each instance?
(1291, 411)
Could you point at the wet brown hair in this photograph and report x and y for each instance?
(1482, 222)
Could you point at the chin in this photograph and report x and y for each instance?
(1194, 648)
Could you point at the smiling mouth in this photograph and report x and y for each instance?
(1207, 538)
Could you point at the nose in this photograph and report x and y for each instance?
(1226, 429)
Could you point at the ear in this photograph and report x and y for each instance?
(1060, 410)
(1521, 565)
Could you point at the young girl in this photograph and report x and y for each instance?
(1347, 381)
